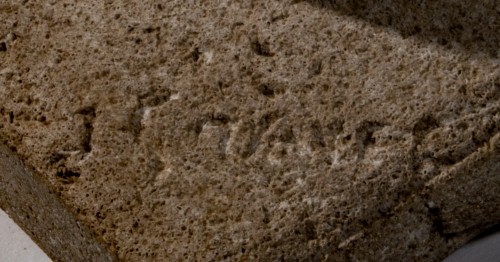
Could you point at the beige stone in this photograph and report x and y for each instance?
(259, 130)
(42, 215)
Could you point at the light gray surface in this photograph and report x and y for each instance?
(16, 245)
(484, 249)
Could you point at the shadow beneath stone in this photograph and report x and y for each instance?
(488, 232)
(483, 247)
(473, 26)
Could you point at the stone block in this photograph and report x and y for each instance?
(258, 130)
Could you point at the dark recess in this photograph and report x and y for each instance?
(67, 174)
(490, 231)
(89, 115)
(474, 25)
(261, 48)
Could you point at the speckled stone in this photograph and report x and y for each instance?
(43, 217)
(260, 130)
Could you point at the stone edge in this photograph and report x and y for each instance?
(31, 204)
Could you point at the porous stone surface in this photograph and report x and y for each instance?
(43, 217)
(260, 130)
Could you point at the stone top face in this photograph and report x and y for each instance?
(257, 130)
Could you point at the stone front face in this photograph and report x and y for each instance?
(253, 130)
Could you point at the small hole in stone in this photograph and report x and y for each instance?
(261, 49)
(67, 175)
(195, 54)
(266, 90)
(149, 30)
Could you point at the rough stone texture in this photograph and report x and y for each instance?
(260, 130)
(40, 213)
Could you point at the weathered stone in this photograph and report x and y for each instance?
(260, 130)
(42, 215)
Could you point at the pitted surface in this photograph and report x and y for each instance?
(257, 130)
